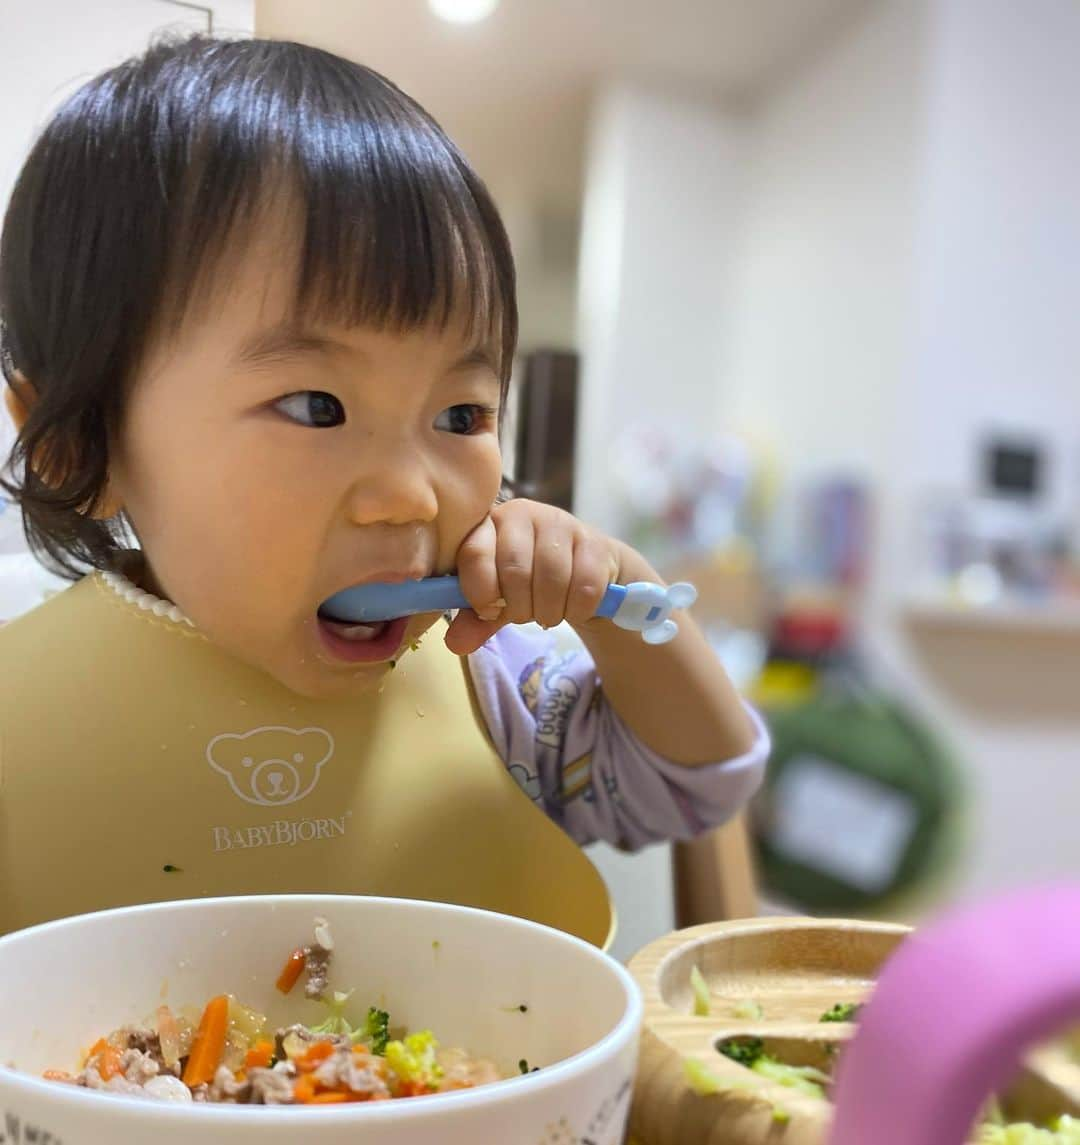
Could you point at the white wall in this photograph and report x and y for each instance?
(999, 339)
(543, 235)
(49, 48)
(998, 344)
(911, 265)
(662, 198)
(824, 300)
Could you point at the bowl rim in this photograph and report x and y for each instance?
(429, 1106)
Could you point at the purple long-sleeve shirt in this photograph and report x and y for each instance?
(572, 754)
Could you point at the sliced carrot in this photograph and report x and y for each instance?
(413, 1089)
(260, 1055)
(57, 1075)
(333, 1097)
(314, 1056)
(304, 1089)
(108, 1062)
(96, 1048)
(209, 1044)
(291, 971)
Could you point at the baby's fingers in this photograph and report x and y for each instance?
(514, 549)
(479, 582)
(594, 569)
(467, 632)
(553, 560)
(477, 572)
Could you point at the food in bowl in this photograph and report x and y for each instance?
(227, 1054)
(504, 987)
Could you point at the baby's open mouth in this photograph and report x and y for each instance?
(357, 643)
(359, 632)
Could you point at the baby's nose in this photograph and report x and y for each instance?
(397, 491)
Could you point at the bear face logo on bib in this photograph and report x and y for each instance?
(271, 766)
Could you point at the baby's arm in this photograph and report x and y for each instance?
(564, 743)
(675, 697)
(529, 561)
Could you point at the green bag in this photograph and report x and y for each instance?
(858, 806)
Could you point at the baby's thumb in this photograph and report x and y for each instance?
(467, 632)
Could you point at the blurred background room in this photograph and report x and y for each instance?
(797, 282)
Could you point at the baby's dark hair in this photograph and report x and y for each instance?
(149, 172)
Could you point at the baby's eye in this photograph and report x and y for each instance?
(312, 408)
(464, 419)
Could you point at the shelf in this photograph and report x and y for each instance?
(1059, 618)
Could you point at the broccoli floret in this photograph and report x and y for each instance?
(744, 1051)
(336, 1023)
(750, 1052)
(413, 1059)
(374, 1032)
(377, 1030)
(842, 1012)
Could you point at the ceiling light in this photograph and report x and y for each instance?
(463, 11)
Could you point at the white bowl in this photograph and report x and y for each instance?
(464, 973)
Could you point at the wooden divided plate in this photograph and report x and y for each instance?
(773, 979)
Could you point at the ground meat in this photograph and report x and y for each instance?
(341, 1069)
(272, 1086)
(225, 1088)
(200, 1092)
(146, 1041)
(286, 1068)
(138, 1067)
(83, 1078)
(318, 971)
(317, 961)
(119, 1084)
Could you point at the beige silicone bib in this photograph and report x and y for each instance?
(139, 763)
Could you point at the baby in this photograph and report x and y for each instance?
(258, 319)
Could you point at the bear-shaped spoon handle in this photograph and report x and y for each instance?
(640, 607)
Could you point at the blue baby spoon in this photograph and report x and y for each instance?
(639, 607)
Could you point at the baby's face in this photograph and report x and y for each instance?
(266, 468)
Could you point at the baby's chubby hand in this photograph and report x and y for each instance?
(528, 561)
